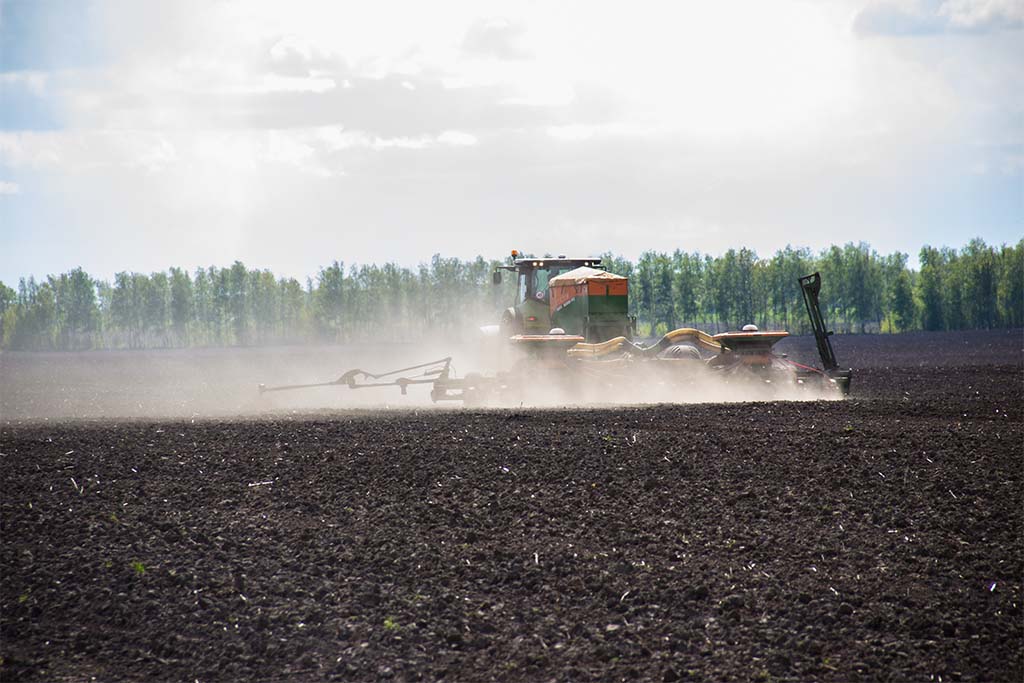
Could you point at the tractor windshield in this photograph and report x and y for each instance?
(533, 281)
(539, 281)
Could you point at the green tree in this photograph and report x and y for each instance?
(264, 306)
(741, 288)
(686, 281)
(1010, 288)
(8, 315)
(294, 311)
(203, 307)
(643, 288)
(76, 314)
(664, 319)
(222, 305)
(35, 324)
(863, 283)
(979, 266)
(903, 306)
(182, 305)
(976, 286)
(157, 309)
(953, 281)
(104, 300)
(930, 288)
(329, 301)
(127, 304)
(833, 267)
(239, 305)
(786, 268)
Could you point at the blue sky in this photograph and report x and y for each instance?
(137, 136)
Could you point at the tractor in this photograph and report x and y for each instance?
(574, 337)
(592, 303)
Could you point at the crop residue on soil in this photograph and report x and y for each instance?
(874, 538)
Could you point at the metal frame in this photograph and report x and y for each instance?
(552, 354)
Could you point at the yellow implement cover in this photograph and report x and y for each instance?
(597, 350)
(683, 334)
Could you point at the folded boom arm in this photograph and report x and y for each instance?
(810, 285)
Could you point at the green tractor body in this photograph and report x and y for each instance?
(574, 294)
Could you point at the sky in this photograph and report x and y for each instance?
(140, 134)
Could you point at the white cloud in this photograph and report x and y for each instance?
(582, 132)
(983, 15)
(273, 83)
(399, 143)
(496, 38)
(456, 138)
(35, 81)
(29, 149)
(87, 151)
(310, 150)
(289, 47)
(687, 125)
(924, 17)
(8, 187)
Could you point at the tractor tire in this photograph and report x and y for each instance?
(510, 324)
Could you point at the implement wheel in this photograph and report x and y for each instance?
(475, 392)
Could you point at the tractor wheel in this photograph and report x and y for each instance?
(510, 324)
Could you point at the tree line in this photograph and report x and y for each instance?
(976, 286)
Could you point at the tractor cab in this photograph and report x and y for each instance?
(531, 312)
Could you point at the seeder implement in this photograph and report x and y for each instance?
(580, 364)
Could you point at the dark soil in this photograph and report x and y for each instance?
(878, 538)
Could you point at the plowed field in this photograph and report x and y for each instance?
(877, 538)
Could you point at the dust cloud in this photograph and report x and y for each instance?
(195, 383)
(668, 381)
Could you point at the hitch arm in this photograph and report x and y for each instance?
(264, 389)
(356, 379)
